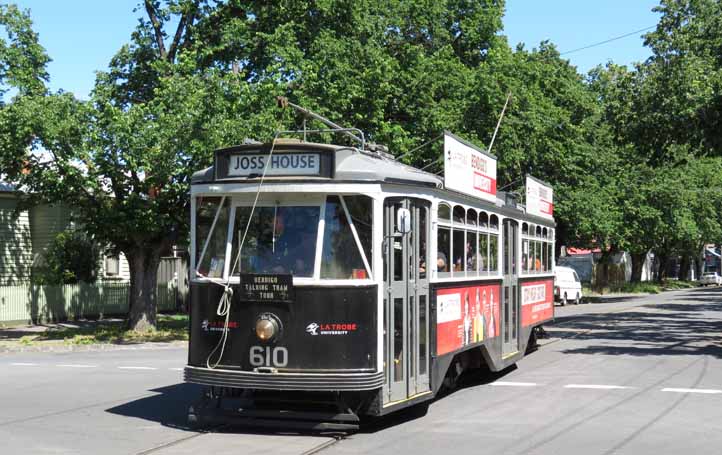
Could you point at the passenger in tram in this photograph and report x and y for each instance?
(441, 262)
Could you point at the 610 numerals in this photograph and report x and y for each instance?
(267, 356)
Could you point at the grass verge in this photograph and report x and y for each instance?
(645, 287)
(169, 328)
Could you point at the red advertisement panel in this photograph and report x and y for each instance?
(466, 315)
(537, 301)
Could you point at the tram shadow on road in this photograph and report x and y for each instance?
(468, 379)
(168, 407)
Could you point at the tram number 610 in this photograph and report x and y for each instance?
(267, 356)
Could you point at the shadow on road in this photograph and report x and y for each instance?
(169, 406)
(689, 325)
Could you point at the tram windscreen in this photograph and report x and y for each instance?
(211, 232)
(280, 239)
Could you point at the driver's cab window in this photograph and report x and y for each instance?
(211, 232)
(279, 239)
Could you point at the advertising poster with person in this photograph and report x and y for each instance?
(466, 316)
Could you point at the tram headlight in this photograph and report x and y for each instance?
(266, 328)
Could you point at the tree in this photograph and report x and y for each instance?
(71, 257)
(124, 159)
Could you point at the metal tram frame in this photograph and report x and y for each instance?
(394, 357)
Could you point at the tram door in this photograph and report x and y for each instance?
(510, 304)
(406, 298)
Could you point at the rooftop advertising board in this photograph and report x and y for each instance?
(468, 169)
(539, 198)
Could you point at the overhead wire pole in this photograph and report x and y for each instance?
(498, 124)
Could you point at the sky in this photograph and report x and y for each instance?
(81, 36)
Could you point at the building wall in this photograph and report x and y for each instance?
(16, 253)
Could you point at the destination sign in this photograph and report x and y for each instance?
(246, 165)
(266, 288)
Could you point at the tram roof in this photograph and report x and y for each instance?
(347, 164)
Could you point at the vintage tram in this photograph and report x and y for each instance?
(331, 282)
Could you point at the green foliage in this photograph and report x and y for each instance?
(70, 258)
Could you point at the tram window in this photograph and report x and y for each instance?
(459, 247)
(545, 233)
(422, 334)
(493, 253)
(538, 231)
(444, 212)
(443, 243)
(399, 335)
(483, 252)
(494, 222)
(549, 255)
(361, 209)
(524, 229)
(483, 219)
(459, 216)
(472, 255)
(423, 213)
(506, 257)
(525, 255)
(280, 239)
(341, 258)
(211, 262)
(471, 217)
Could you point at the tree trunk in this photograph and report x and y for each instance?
(638, 261)
(684, 268)
(663, 264)
(143, 304)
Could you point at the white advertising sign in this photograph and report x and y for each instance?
(448, 308)
(539, 198)
(468, 170)
(244, 165)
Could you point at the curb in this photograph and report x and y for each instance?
(59, 347)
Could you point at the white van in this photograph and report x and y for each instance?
(567, 285)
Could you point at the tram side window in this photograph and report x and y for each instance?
(483, 252)
(459, 247)
(341, 258)
(493, 253)
(525, 255)
(444, 253)
(211, 246)
(550, 253)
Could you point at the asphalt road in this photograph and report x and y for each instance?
(635, 377)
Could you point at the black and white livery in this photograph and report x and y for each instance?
(332, 282)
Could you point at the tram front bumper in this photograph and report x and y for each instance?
(219, 377)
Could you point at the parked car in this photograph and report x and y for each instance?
(710, 278)
(567, 285)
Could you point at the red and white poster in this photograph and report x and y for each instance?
(466, 315)
(537, 301)
(468, 169)
(539, 198)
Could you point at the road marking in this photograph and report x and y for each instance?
(20, 364)
(137, 368)
(514, 384)
(709, 391)
(76, 366)
(595, 386)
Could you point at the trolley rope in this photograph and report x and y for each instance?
(224, 305)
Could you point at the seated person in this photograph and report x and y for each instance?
(441, 262)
